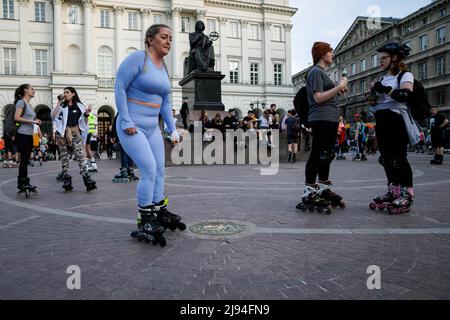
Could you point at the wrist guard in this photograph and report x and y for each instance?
(401, 95)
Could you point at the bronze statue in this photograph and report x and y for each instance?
(201, 54)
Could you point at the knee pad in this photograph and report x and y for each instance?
(326, 156)
(397, 163)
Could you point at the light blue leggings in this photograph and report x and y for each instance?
(146, 148)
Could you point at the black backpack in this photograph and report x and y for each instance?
(9, 124)
(301, 106)
(418, 104)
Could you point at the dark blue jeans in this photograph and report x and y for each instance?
(125, 160)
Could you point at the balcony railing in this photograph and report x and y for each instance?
(106, 82)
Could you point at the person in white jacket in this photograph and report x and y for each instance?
(70, 117)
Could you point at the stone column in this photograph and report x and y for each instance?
(268, 67)
(118, 13)
(223, 47)
(88, 37)
(25, 49)
(288, 71)
(57, 35)
(146, 15)
(176, 56)
(244, 45)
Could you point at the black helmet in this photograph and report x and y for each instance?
(401, 50)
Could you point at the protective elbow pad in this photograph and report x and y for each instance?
(401, 95)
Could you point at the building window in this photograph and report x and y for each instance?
(440, 66)
(406, 29)
(441, 35)
(363, 65)
(440, 97)
(104, 19)
(8, 9)
(41, 62)
(10, 60)
(424, 21)
(132, 20)
(353, 88)
(74, 14)
(185, 24)
(157, 19)
(423, 71)
(363, 86)
(423, 41)
(442, 12)
(374, 60)
(211, 25)
(105, 62)
(344, 72)
(278, 73)
(254, 31)
(130, 51)
(39, 11)
(234, 71)
(254, 73)
(276, 33)
(234, 29)
(353, 68)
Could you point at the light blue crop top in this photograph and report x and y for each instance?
(150, 86)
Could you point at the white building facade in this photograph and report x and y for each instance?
(81, 43)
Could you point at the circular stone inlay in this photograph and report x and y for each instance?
(221, 229)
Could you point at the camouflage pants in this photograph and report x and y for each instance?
(77, 146)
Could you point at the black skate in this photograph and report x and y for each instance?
(294, 158)
(341, 157)
(24, 186)
(67, 183)
(148, 228)
(131, 175)
(356, 157)
(89, 183)
(403, 203)
(166, 218)
(385, 202)
(325, 193)
(438, 159)
(363, 157)
(121, 177)
(311, 201)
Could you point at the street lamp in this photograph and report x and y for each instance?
(252, 104)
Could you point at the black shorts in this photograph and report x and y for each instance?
(437, 138)
(88, 139)
(292, 139)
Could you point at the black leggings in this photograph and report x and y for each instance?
(392, 139)
(24, 143)
(322, 152)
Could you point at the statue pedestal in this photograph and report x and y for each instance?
(203, 90)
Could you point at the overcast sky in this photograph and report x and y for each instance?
(329, 20)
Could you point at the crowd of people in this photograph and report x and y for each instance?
(142, 90)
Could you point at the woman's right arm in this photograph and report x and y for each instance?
(129, 69)
(55, 111)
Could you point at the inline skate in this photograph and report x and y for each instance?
(121, 177)
(403, 203)
(385, 202)
(166, 218)
(24, 186)
(89, 183)
(149, 230)
(67, 183)
(311, 201)
(131, 176)
(325, 193)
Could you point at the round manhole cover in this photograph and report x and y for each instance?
(221, 229)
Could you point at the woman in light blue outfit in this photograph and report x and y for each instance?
(142, 92)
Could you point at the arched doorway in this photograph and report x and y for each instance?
(43, 114)
(105, 117)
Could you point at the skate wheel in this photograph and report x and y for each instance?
(134, 234)
(182, 226)
(372, 206)
(342, 205)
(162, 242)
(27, 193)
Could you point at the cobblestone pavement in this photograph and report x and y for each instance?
(284, 254)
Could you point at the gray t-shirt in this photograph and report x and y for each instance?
(318, 81)
(26, 128)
